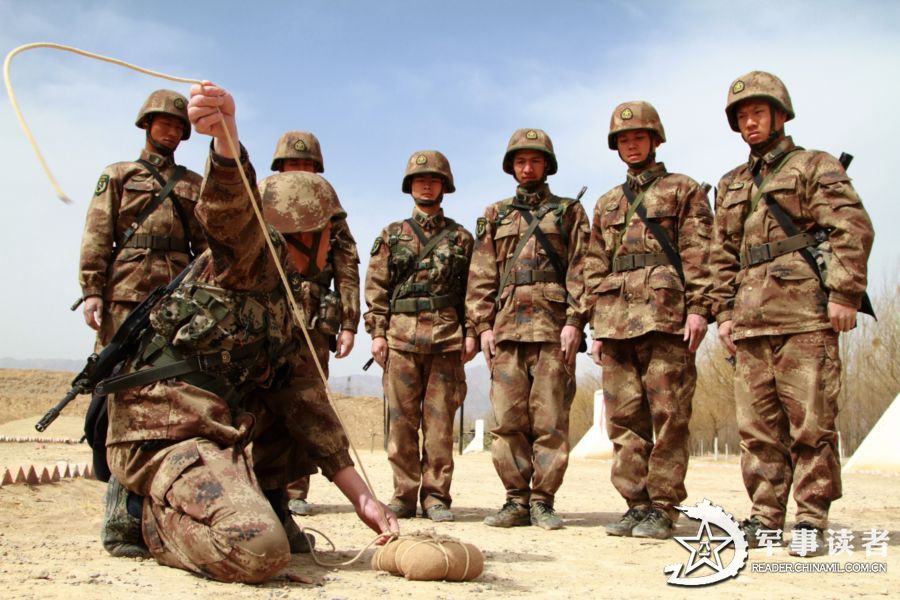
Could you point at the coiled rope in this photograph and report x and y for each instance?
(296, 310)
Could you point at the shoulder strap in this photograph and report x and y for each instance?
(507, 270)
(658, 231)
(429, 244)
(545, 243)
(179, 210)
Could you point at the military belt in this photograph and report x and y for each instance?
(215, 363)
(415, 305)
(157, 242)
(529, 276)
(630, 262)
(755, 255)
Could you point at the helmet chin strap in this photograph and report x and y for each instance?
(640, 165)
(160, 149)
(424, 202)
(775, 135)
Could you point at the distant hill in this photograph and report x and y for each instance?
(46, 364)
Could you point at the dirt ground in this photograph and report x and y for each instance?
(49, 546)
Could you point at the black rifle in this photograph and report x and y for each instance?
(101, 365)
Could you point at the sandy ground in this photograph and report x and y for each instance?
(49, 546)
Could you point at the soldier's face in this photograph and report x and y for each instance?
(529, 166)
(167, 130)
(635, 146)
(427, 187)
(754, 119)
(298, 164)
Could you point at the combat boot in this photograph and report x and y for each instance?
(121, 530)
(439, 513)
(512, 514)
(655, 525)
(752, 529)
(300, 507)
(301, 543)
(402, 512)
(628, 522)
(544, 516)
(808, 541)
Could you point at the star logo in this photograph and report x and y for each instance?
(705, 549)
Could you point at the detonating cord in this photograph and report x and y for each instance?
(296, 310)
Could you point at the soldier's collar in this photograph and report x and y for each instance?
(158, 160)
(638, 181)
(774, 155)
(532, 196)
(428, 222)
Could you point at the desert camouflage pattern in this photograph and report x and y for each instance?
(532, 388)
(166, 102)
(181, 445)
(530, 139)
(761, 85)
(426, 162)
(648, 385)
(633, 115)
(393, 256)
(629, 304)
(122, 192)
(114, 314)
(422, 391)
(298, 201)
(538, 311)
(298, 144)
(786, 392)
(783, 296)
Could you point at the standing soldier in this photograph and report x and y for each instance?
(415, 288)
(524, 300)
(325, 256)
(140, 230)
(648, 284)
(779, 314)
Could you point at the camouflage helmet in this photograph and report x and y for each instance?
(298, 144)
(298, 201)
(167, 102)
(757, 84)
(632, 116)
(529, 139)
(425, 162)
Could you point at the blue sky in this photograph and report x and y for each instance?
(378, 81)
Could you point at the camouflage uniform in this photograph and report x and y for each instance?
(182, 442)
(341, 267)
(417, 305)
(159, 250)
(788, 366)
(532, 386)
(639, 304)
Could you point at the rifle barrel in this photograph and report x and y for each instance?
(51, 415)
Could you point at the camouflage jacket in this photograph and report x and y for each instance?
(784, 296)
(418, 306)
(528, 311)
(630, 303)
(230, 302)
(122, 192)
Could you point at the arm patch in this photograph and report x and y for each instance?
(376, 246)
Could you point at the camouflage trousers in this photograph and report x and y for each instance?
(532, 388)
(299, 489)
(648, 386)
(423, 391)
(786, 392)
(112, 317)
(203, 510)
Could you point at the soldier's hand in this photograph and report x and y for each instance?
(596, 352)
(694, 331)
(569, 340)
(725, 336)
(93, 310)
(370, 511)
(210, 110)
(345, 341)
(842, 317)
(470, 350)
(380, 351)
(488, 346)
